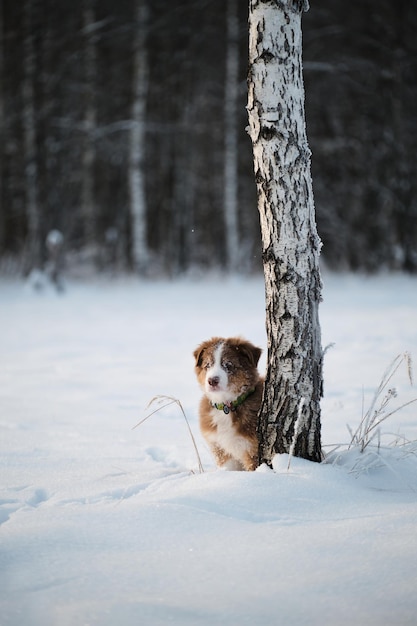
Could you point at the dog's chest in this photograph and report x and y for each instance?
(225, 434)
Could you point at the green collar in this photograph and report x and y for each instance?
(226, 407)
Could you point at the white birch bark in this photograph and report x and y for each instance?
(140, 253)
(33, 246)
(290, 242)
(230, 139)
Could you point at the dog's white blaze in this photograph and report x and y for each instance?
(226, 436)
(221, 394)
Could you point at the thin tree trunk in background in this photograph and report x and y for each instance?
(49, 197)
(231, 139)
(140, 252)
(290, 412)
(2, 130)
(33, 243)
(88, 212)
(183, 197)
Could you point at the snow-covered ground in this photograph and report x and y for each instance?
(104, 524)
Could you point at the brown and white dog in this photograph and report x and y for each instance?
(227, 372)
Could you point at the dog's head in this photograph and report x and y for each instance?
(226, 368)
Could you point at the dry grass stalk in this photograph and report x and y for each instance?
(368, 428)
(168, 401)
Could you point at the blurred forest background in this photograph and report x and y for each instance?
(123, 142)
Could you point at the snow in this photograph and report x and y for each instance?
(103, 523)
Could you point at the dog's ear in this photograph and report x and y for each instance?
(251, 352)
(198, 354)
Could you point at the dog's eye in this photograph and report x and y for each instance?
(206, 365)
(227, 366)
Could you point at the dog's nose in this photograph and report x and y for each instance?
(213, 381)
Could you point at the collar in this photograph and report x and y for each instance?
(226, 407)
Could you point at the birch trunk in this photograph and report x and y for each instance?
(230, 135)
(33, 247)
(140, 253)
(289, 419)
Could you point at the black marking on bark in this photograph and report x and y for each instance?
(266, 56)
(268, 255)
(259, 177)
(260, 32)
(287, 46)
(268, 132)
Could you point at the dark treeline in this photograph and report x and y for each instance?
(122, 126)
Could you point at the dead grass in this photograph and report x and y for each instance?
(165, 401)
(369, 448)
(369, 428)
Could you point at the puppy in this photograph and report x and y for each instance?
(227, 372)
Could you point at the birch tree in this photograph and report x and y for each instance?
(140, 254)
(289, 419)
